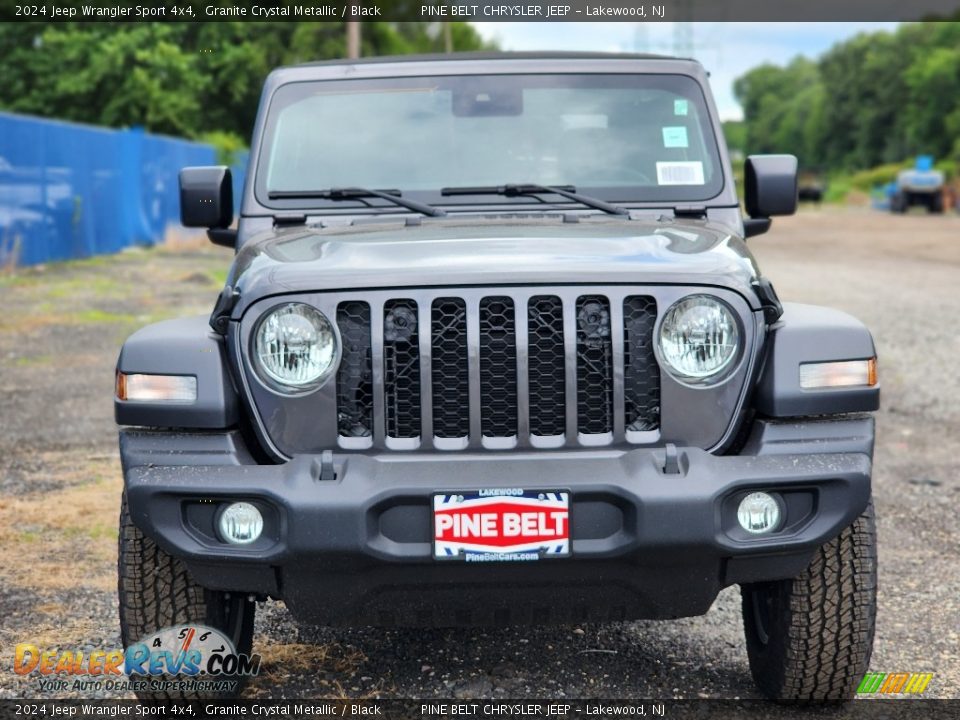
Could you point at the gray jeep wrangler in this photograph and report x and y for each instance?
(493, 350)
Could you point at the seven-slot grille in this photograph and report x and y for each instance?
(498, 370)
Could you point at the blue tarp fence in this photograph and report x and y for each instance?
(72, 191)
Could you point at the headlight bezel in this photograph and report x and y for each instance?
(267, 380)
(725, 371)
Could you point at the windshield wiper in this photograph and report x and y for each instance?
(515, 190)
(355, 193)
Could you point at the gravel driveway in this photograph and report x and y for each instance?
(60, 330)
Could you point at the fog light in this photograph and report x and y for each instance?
(240, 523)
(759, 513)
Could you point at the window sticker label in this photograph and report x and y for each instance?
(675, 137)
(680, 107)
(680, 173)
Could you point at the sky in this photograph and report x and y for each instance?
(727, 50)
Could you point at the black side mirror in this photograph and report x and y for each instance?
(206, 198)
(770, 188)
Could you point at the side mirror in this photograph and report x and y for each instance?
(770, 188)
(206, 199)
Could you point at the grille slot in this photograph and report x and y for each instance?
(498, 367)
(354, 376)
(547, 371)
(594, 366)
(450, 378)
(641, 374)
(401, 369)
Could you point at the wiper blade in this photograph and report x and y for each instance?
(518, 189)
(355, 193)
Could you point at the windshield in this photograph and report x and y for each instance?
(628, 138)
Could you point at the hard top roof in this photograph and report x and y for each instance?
(482, 62)
(495, 55)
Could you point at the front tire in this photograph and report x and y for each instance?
(936, 203)
(810, 637)
(156, 592)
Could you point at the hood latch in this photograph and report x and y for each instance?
(220, 317)
(772, 309)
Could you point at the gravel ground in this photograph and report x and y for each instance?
(59, 485)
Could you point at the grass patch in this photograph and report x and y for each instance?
(67, 538)
(855, 185)
(54, 629)
(94, 316)
(99, 287)
(281, 663)
(301, 657)
(103, 531)
(33, 361)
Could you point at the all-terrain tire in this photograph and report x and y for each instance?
(156, 592)
(810, 637)
(936, 203)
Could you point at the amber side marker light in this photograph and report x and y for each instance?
(156, 388)
(845, 374)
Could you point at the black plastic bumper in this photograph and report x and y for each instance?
(355, 548)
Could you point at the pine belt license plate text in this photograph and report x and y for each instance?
(504, 524)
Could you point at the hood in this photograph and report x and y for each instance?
(459, 252)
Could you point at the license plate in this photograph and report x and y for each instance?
(508, 524)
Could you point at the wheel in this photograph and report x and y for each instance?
(936, 203)
(898, 203)
(810, 637)
(157, 592)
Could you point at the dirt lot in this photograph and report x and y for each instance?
(61, 327)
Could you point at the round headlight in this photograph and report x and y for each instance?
(699, 338)
(295, 346)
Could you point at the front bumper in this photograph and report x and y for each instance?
(355, 547)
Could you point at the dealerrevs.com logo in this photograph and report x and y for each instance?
(188, 658)
(894, 683)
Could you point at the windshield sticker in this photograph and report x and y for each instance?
(675, 137)
(580, 121)
(680, 173)
(680, 107)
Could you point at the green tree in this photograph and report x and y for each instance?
(874, 99)
(779, 104)
(187, 79)
(933, 115)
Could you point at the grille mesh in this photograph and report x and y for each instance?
(498, 367)
(594, 365)
(450, 378)
(354, 376)
(401, 369)
(641, 376)
(547, 370)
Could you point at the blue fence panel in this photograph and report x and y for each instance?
(72, 191)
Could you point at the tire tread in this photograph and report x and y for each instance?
(823, 621)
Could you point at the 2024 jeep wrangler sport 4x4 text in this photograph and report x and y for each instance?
(493, 350)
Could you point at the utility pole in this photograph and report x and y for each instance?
(353, 39)
(447, 38)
